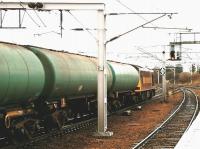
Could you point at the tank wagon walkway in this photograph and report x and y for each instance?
(190, 140)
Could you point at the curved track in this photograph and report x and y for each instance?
(170, 131)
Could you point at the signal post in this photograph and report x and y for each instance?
(163, 73)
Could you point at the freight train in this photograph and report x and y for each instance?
(45, 89)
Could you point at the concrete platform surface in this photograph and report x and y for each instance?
(191, 138)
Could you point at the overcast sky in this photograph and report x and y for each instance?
(124, 48)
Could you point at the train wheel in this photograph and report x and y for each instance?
(143, 96)
(151, 94)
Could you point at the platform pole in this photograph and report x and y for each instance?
(174, 76)
(102, 77)
(164, 78)
(158, 77)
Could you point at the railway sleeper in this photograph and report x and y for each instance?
(168, 137)
(164, 147)
(163, 141)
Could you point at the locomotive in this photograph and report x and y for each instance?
(44, 89)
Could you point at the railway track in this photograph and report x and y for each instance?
(167, 134)
(72, 127)
(52, 134)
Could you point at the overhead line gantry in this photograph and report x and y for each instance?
(68, 5)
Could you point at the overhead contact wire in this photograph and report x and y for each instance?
(130, 9)
(40, 19)
(84, 28)
(116, 37)
(29, 15)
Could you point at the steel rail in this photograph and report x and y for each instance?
(195, 112)
(159, 127)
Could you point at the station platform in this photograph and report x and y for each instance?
(191, 138)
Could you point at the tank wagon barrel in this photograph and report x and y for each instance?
(52, 75)
(125, 77)
(45, 89)
(21, 75)
(68, 74)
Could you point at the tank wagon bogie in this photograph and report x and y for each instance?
(45, 89)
